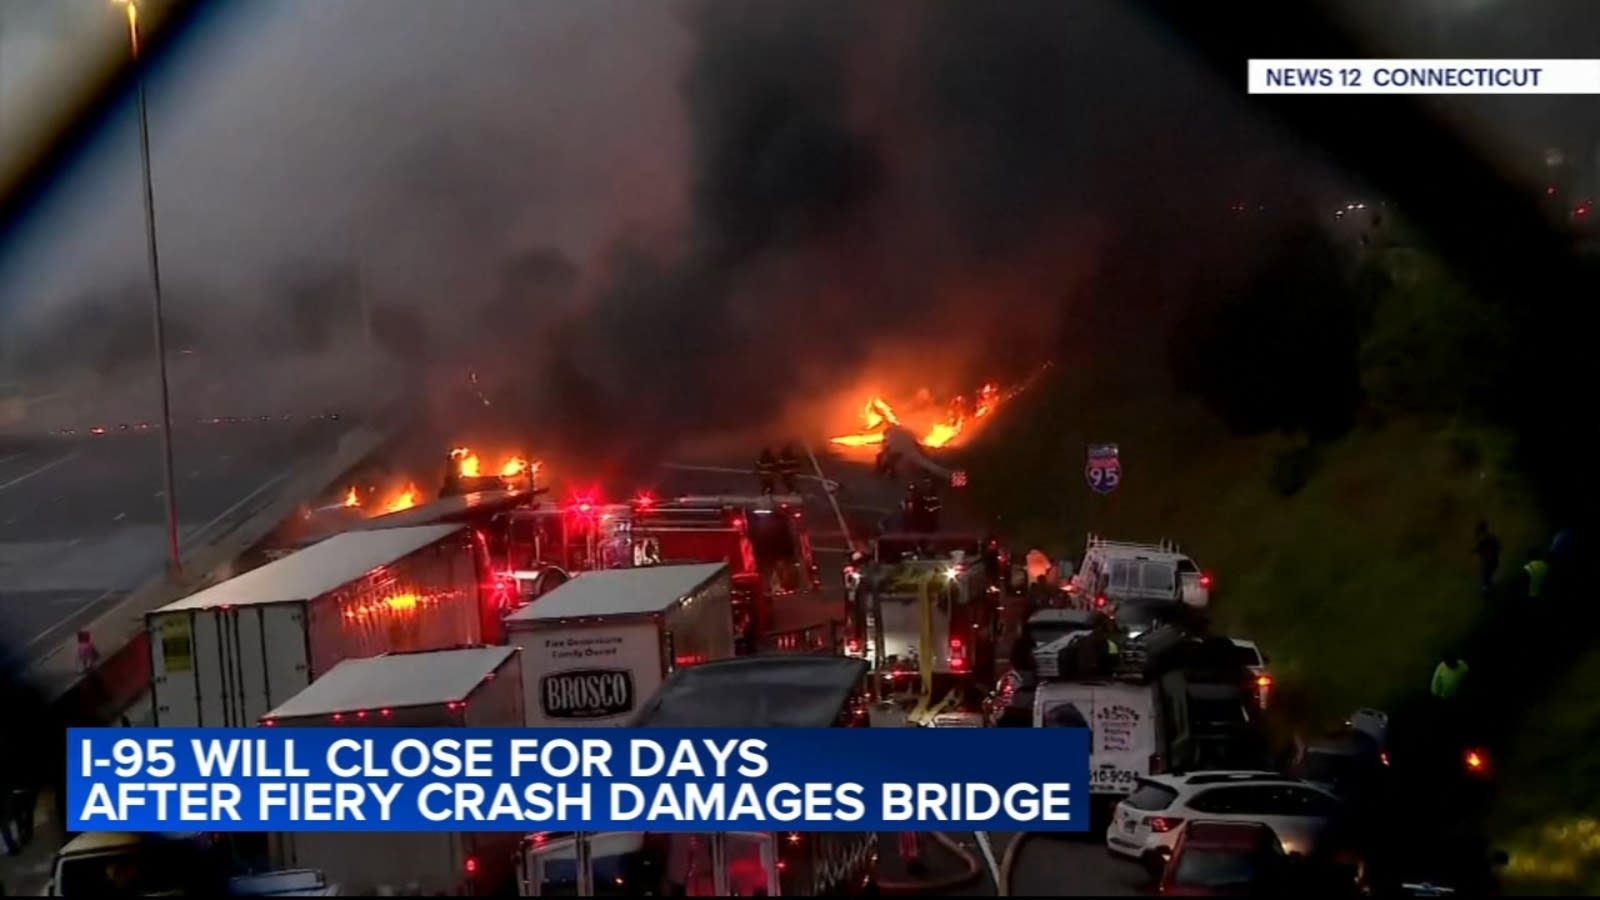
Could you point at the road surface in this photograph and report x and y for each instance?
(82, 521)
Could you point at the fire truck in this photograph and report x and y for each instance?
(763, 539)
(927, 618)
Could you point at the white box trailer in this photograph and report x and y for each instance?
(228, 654)
(473, 687)
(598, 647)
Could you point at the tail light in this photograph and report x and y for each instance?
(1263, 681)
(958, 655)
(1205, 580)
(1476, 762)
(1162, 824)
(472, 865)
(1384, 757)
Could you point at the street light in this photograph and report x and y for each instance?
(175, 557)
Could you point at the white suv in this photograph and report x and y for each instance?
(1151, 817)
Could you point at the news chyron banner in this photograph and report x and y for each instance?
(514, 779)
(1425, 76)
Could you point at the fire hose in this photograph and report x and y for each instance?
(1008, 862)
(971, 869)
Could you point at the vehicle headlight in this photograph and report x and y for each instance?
(1133, 633)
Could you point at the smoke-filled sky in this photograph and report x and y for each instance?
(687, 212)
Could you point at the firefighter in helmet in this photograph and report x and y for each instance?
(887, 463)
(931, 504)
(911, 506)
(767, 471)
(789, 469)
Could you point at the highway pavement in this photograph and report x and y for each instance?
(82, 519)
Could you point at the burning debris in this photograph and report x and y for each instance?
(950, 424)
(408, 497)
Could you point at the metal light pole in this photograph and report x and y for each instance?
(175, 557)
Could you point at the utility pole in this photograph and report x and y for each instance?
(169, 481)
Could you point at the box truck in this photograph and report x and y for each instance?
(475, 687)
(227, 655)
(597, 647)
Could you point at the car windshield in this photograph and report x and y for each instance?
(1215, 868)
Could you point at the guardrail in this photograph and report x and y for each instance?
(119, 633)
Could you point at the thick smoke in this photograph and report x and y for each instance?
(925, 183)
(775, 204)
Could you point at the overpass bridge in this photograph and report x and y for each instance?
(82, 520)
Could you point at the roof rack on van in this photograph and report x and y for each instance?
(1165, 545)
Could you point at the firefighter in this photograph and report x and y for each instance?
(789, 469)
(1534, 575)
(767, 471)
(931, 504)
(911, 506)
(992, 561)
(888, 462)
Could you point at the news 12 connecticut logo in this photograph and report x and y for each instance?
(586, 693)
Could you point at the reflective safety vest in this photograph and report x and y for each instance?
(1538, 570)
(1447, 680)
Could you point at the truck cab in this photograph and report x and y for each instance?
(756, 692)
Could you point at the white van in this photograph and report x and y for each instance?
(1125, 740)
(1115, 571)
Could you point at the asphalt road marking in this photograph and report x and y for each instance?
(39, 471)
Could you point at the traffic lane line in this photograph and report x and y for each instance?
(92, 608)
(39, 471)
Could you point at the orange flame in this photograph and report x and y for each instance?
(467, 463)
(352, 498)
(949, 426)
(404, 500)
(514, 467)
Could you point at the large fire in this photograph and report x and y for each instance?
(948, 425)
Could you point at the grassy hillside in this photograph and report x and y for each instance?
(1353, 585)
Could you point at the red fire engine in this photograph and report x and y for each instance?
(763, 540)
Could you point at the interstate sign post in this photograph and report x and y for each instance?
(1104, 471)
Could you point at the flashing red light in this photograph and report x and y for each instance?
(386, 713)
(361, 714)
(1384, 757)
(1550, 191)
(472, 866)
(738, 523)
(644, 500)
(1476, 761)
(1205, 581)
(585, 507)
(1163, 824)
(955, 645)
(1100, 602)
(269, 722)
(456, 705)
(338, 717)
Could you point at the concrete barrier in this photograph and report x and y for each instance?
(123, 674)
